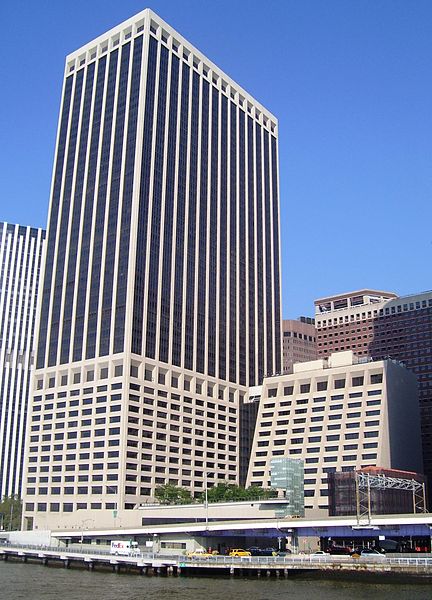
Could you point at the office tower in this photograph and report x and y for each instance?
(383, 325)
(20, 259)
(403, 331)
(161, 295)
(337, 414)
(299, 342)
(346, 321)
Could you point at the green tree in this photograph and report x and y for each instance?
(225, 492)
(171, 494)
(10, 513)
(255, 492)
(228, 492)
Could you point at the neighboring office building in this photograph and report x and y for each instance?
(299, 342)
(21, 250)
(388, 501)
(161, 295)
(403, 331)
(383, 325)
(346, 321)
(337, 414)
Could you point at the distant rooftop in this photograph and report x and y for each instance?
(351, 300)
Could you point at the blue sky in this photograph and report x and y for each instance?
(351, 85)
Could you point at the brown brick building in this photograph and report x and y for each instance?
(346, 321)
(299, 342)
(382, 325)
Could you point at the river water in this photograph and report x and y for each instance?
(35, 582)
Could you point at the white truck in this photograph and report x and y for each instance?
(124, 548)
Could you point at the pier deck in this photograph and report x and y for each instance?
(146, 562)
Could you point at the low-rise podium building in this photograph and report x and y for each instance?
(337, 414)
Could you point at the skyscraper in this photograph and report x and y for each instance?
(383, 325)
(21, 251)
(161, 294)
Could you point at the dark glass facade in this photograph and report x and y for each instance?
(403, 331)
(198, 269)
(90, 217)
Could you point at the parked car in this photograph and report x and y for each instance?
(239, 552)
(341, 550)
(368, 553)
(200, 554)
(256, 551)
(389, 546)
(318, 554)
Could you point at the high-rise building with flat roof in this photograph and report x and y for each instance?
(383, 325)
(346, 321)
(299, 342)
(403, 331)
(21, 250)
(161, 293)
(337, 414)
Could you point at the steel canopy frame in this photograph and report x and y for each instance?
(365, 482)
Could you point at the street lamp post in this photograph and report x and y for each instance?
(115, 511)
(83, 522)
(154, 544)
(206, 500)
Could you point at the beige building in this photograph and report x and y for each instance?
(299, 342)
(153, 514)
(337, 414)
(154, 317)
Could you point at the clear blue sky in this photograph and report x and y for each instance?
(351, 84)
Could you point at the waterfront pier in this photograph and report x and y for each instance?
(259, 566)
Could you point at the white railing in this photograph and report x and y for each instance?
(219, 560)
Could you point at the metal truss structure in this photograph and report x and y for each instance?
(365, 482)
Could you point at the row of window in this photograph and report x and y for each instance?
(321, 386)
(149, 374)
(300, 336)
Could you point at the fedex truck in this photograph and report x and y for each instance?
(124, 548)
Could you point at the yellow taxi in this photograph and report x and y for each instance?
(239, 552)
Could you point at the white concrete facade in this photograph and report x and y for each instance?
(21, 253)
(341, 413)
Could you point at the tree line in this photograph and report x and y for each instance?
(222, 492)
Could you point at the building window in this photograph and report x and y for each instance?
(377, 378)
